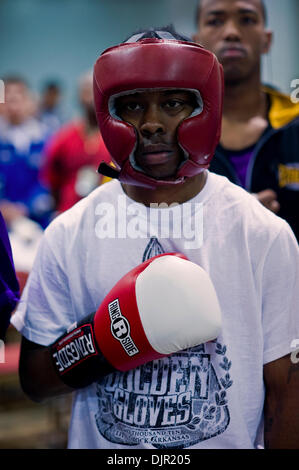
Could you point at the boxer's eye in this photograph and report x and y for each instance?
(132, 106)
(174, 104)
(125, 106)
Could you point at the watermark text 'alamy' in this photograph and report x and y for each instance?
(133, 220)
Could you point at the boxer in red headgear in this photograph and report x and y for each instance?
(159, 63)
(173, 355)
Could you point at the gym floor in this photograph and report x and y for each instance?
(23, 423)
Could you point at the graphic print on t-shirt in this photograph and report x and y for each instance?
(173, 402)
(153, 248)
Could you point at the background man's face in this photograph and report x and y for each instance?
(235, 31)
(86, 95)
(51, 98)
(18, 103)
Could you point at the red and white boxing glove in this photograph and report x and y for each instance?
(164, 305)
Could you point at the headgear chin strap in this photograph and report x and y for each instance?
(158, 64)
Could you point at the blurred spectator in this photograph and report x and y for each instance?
(9, 286)
(260, 127)
(75, 152)
(22, 140)
(50, 112)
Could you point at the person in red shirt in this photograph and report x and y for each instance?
(73, 154)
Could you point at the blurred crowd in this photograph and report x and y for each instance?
(47, 163)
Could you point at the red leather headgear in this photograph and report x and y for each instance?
(159, 64)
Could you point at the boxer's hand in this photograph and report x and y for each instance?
(166, 304)
(268, 198)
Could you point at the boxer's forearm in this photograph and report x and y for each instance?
(38, 377)
(281, 415)
(282, 429)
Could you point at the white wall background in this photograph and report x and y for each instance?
(281, 66)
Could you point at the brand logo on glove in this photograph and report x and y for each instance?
(74, 348)
(120, 328)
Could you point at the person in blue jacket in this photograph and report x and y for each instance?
(22, 141)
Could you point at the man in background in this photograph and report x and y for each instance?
(49, 109)
(22, 140)
(25, 203)
(258, 149)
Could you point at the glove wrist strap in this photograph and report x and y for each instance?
(77, 358)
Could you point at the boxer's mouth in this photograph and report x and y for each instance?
(156, 154)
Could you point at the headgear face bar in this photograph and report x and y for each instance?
(151, 64)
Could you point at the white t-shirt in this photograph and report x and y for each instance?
(210, 396)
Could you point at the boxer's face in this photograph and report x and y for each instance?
(235, 31)
(156, 116)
